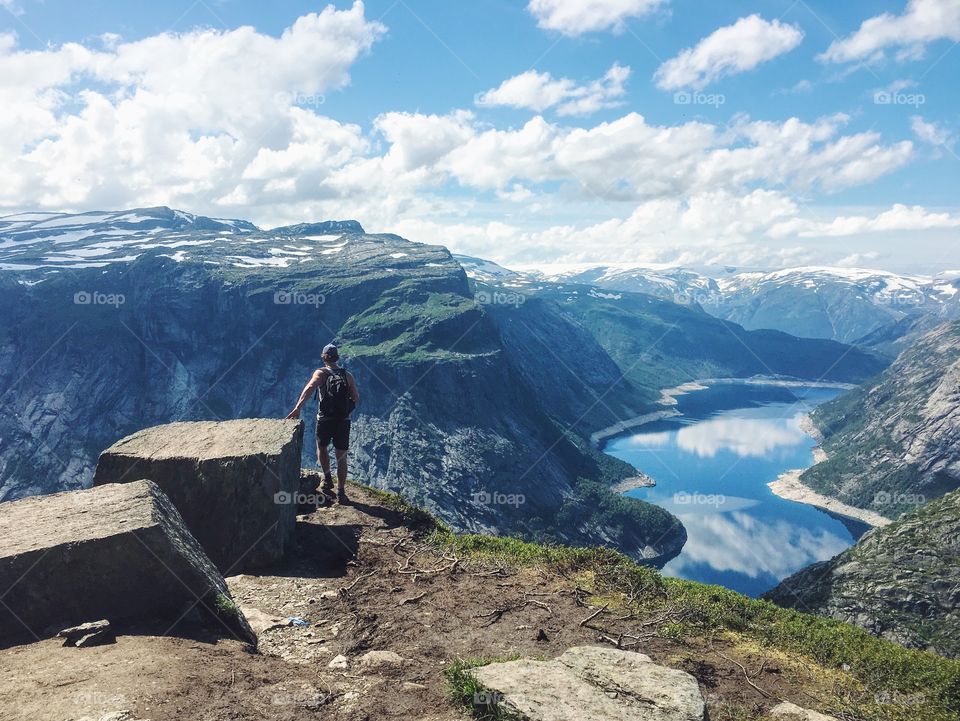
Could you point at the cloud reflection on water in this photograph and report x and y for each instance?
(744, 437)
(743, 543)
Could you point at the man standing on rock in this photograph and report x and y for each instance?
(337, 395)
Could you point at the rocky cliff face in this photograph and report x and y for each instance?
(894, 444)
(900, 582)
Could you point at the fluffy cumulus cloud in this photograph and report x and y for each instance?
(540, 91)
(174, 115)
(922, 22)
(728, 50)
(238, 123)
(576, 17)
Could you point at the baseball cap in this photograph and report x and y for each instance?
(330, 351)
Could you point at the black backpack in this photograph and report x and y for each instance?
(336, 401)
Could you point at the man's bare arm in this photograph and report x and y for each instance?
(308, 390)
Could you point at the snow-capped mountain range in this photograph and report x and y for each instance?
(845, 304)
(42, 243)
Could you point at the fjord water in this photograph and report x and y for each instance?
(712, 466)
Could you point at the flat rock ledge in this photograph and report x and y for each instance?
(113, 552)
(234, 482)
(591, 683)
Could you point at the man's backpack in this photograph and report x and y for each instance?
(335, 401)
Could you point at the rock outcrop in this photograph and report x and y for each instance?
(900, 582)
(591, 683)
(234, 482)
(112, 552)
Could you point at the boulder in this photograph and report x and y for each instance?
(234, 482)
(590, 683)
(112, 552)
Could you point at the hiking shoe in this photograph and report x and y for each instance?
(342, 497)
(327, 485)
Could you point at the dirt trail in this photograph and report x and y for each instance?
(363, 581)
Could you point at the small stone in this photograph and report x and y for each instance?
(326, 595)
(381, 659)
(411, 686)
(787, 711)
(339, 662)
(542, 635)
(84, 629)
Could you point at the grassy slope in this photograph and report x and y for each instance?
(872, 679)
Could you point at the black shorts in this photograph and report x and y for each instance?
(336, 430)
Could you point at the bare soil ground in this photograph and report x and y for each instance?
(363, 581)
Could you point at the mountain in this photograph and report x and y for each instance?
(900, 582)
(844, 304)
(577, 330)
(881, 310)
(894, 444)
(113, 322)
(478, 401)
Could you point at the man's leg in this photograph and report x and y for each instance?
(341, 468)
(323, 455)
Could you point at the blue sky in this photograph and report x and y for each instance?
(764, 133)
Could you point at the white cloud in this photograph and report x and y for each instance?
(539, 91)
(12, 5)
(922, 22)
(930, 132)
(897, 218)
(239, 123)
(575, 17)
(728, 50)
(173, 116)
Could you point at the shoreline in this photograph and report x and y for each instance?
(668, 395)
(597, 439)
(789, 486)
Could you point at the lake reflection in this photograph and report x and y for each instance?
(712, 468)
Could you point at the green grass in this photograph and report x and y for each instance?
(471, 695)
